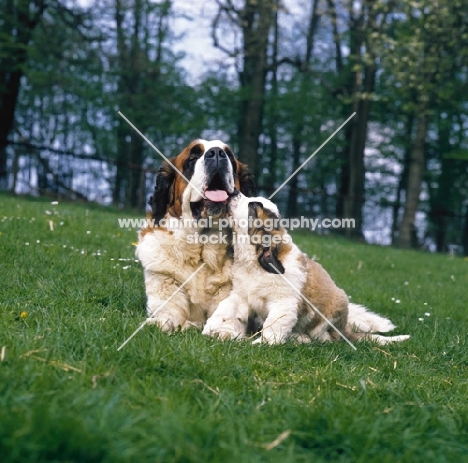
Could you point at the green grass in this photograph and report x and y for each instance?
(66, 394)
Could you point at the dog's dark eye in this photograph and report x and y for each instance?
(229, 153)
(195, 153)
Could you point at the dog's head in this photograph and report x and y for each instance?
(259, 218)
(211, 174)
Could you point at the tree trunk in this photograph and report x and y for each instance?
(257, 19)
(357, 77)
(134, 173)
(23, 22)
(403, 181)
(442, 207)
(8, 99)
(354, 199)
(298, 125)
(118, 192)
(292, 196)
(135, 56)
(15, 169)
(270, 179)
(343, 175)
(465, 234)
(129, 144)
(352, 182)
(407, 229)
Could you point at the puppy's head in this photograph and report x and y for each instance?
(260, 219)
(210, 176)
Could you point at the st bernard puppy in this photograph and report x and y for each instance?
(262, 250)
(187, 260)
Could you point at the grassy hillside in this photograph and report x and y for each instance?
(71, 293)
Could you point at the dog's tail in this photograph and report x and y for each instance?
(362, 323)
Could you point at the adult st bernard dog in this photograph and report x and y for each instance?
(187, 275)
(262, 249)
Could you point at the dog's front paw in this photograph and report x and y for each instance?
(166, 321)
(212, 324)
(225, 329)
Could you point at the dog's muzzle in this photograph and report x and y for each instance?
(218, 171)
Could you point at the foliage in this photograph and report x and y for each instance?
(394, 63)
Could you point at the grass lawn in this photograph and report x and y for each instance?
(70, 296)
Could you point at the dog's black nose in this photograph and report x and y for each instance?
(214, 153)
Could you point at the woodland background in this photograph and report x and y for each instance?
(285, 75)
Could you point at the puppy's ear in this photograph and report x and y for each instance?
(246, 180)
(255, 207)
(162, 196)
(269, 259)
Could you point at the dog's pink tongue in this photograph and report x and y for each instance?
(217, 196)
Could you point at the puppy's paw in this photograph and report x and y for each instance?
(300, 338)
(270, 338)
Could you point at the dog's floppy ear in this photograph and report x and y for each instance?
(162, 196)
(255, 207)
(255, 210)
(269, 259)
(246, 180)
(267, 255)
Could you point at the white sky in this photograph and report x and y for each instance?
(193, 21)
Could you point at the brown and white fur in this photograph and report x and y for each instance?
(167, 250)
(260, 253)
